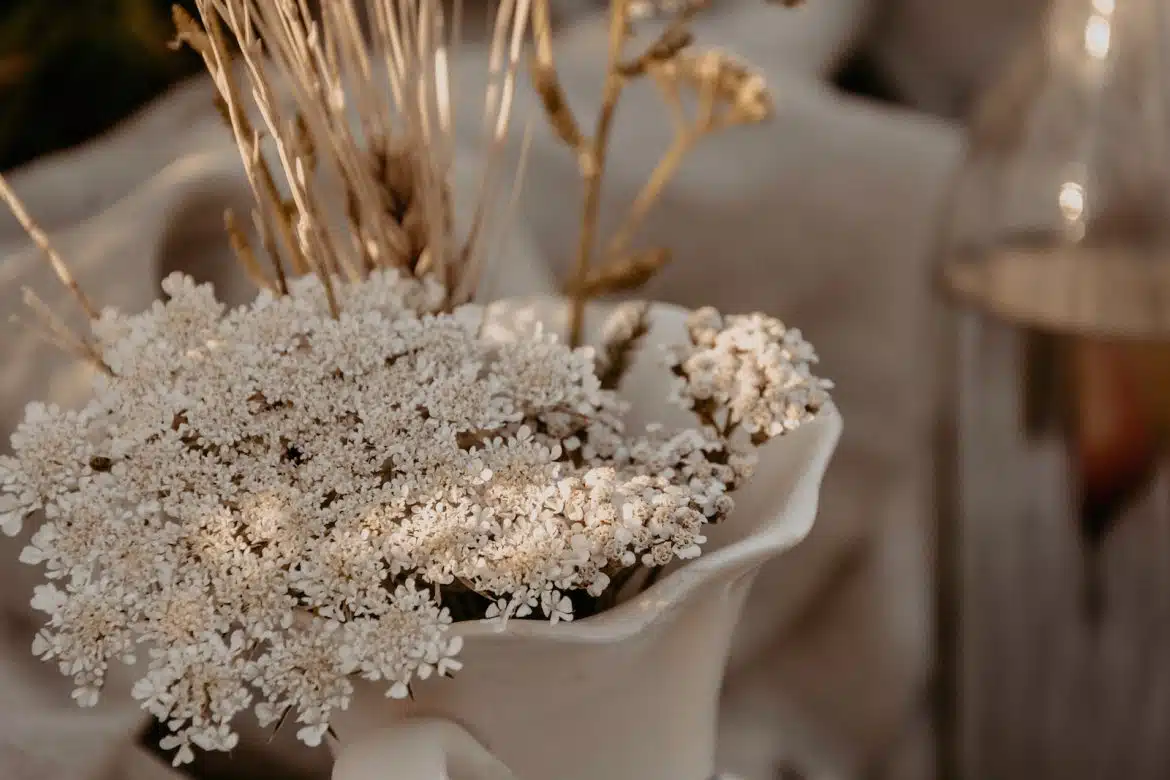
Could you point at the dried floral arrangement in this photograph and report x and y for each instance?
(264, 504)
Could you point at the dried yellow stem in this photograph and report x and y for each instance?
(593, 163)
(669, 44)
(42, 241)
(58, 333)
(722, 83)
(244, 253)
(556, 105)
(212, 47)
(652, 190)
(624, 273)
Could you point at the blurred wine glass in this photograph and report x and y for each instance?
(1054, 529)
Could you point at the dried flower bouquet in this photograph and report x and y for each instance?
(261, 505)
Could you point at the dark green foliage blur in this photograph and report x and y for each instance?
(70, 69)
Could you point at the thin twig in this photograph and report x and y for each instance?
(651, 191)
(243, 252)
(514, 16)
(57, 332)
(211, 46)
(594, 162)
(42, 241)
(504, 223)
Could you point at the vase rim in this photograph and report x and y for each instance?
(786, 529)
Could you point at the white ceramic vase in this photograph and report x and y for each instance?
(629, 694)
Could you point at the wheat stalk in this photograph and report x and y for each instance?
(375, 118)
(302, 79)
(38, 236)
(48, 324)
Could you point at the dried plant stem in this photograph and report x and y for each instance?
(728, 94)
(262, 229)
(334, 122)
(652, 190)
(244, 253)
(50, 327)
(42, 241)
(291, 153)
(618, 349)
(211, 46)
(548, 86)
(593, 163)
(311, 79)
(720, 83)
(497, 113)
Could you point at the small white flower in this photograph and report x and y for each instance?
(48, 599)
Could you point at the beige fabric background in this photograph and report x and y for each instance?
(941, 54)
(823, 217)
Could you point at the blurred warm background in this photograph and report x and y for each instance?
(69, 71)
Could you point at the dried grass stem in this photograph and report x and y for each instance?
(39, 237)
(593, 163)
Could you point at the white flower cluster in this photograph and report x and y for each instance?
(265, 503)
(748, 372)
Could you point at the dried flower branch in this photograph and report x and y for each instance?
(729, 95)
(245, 255)
(42, 241)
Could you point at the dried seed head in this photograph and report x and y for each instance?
(733, 84)
(396, 173)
